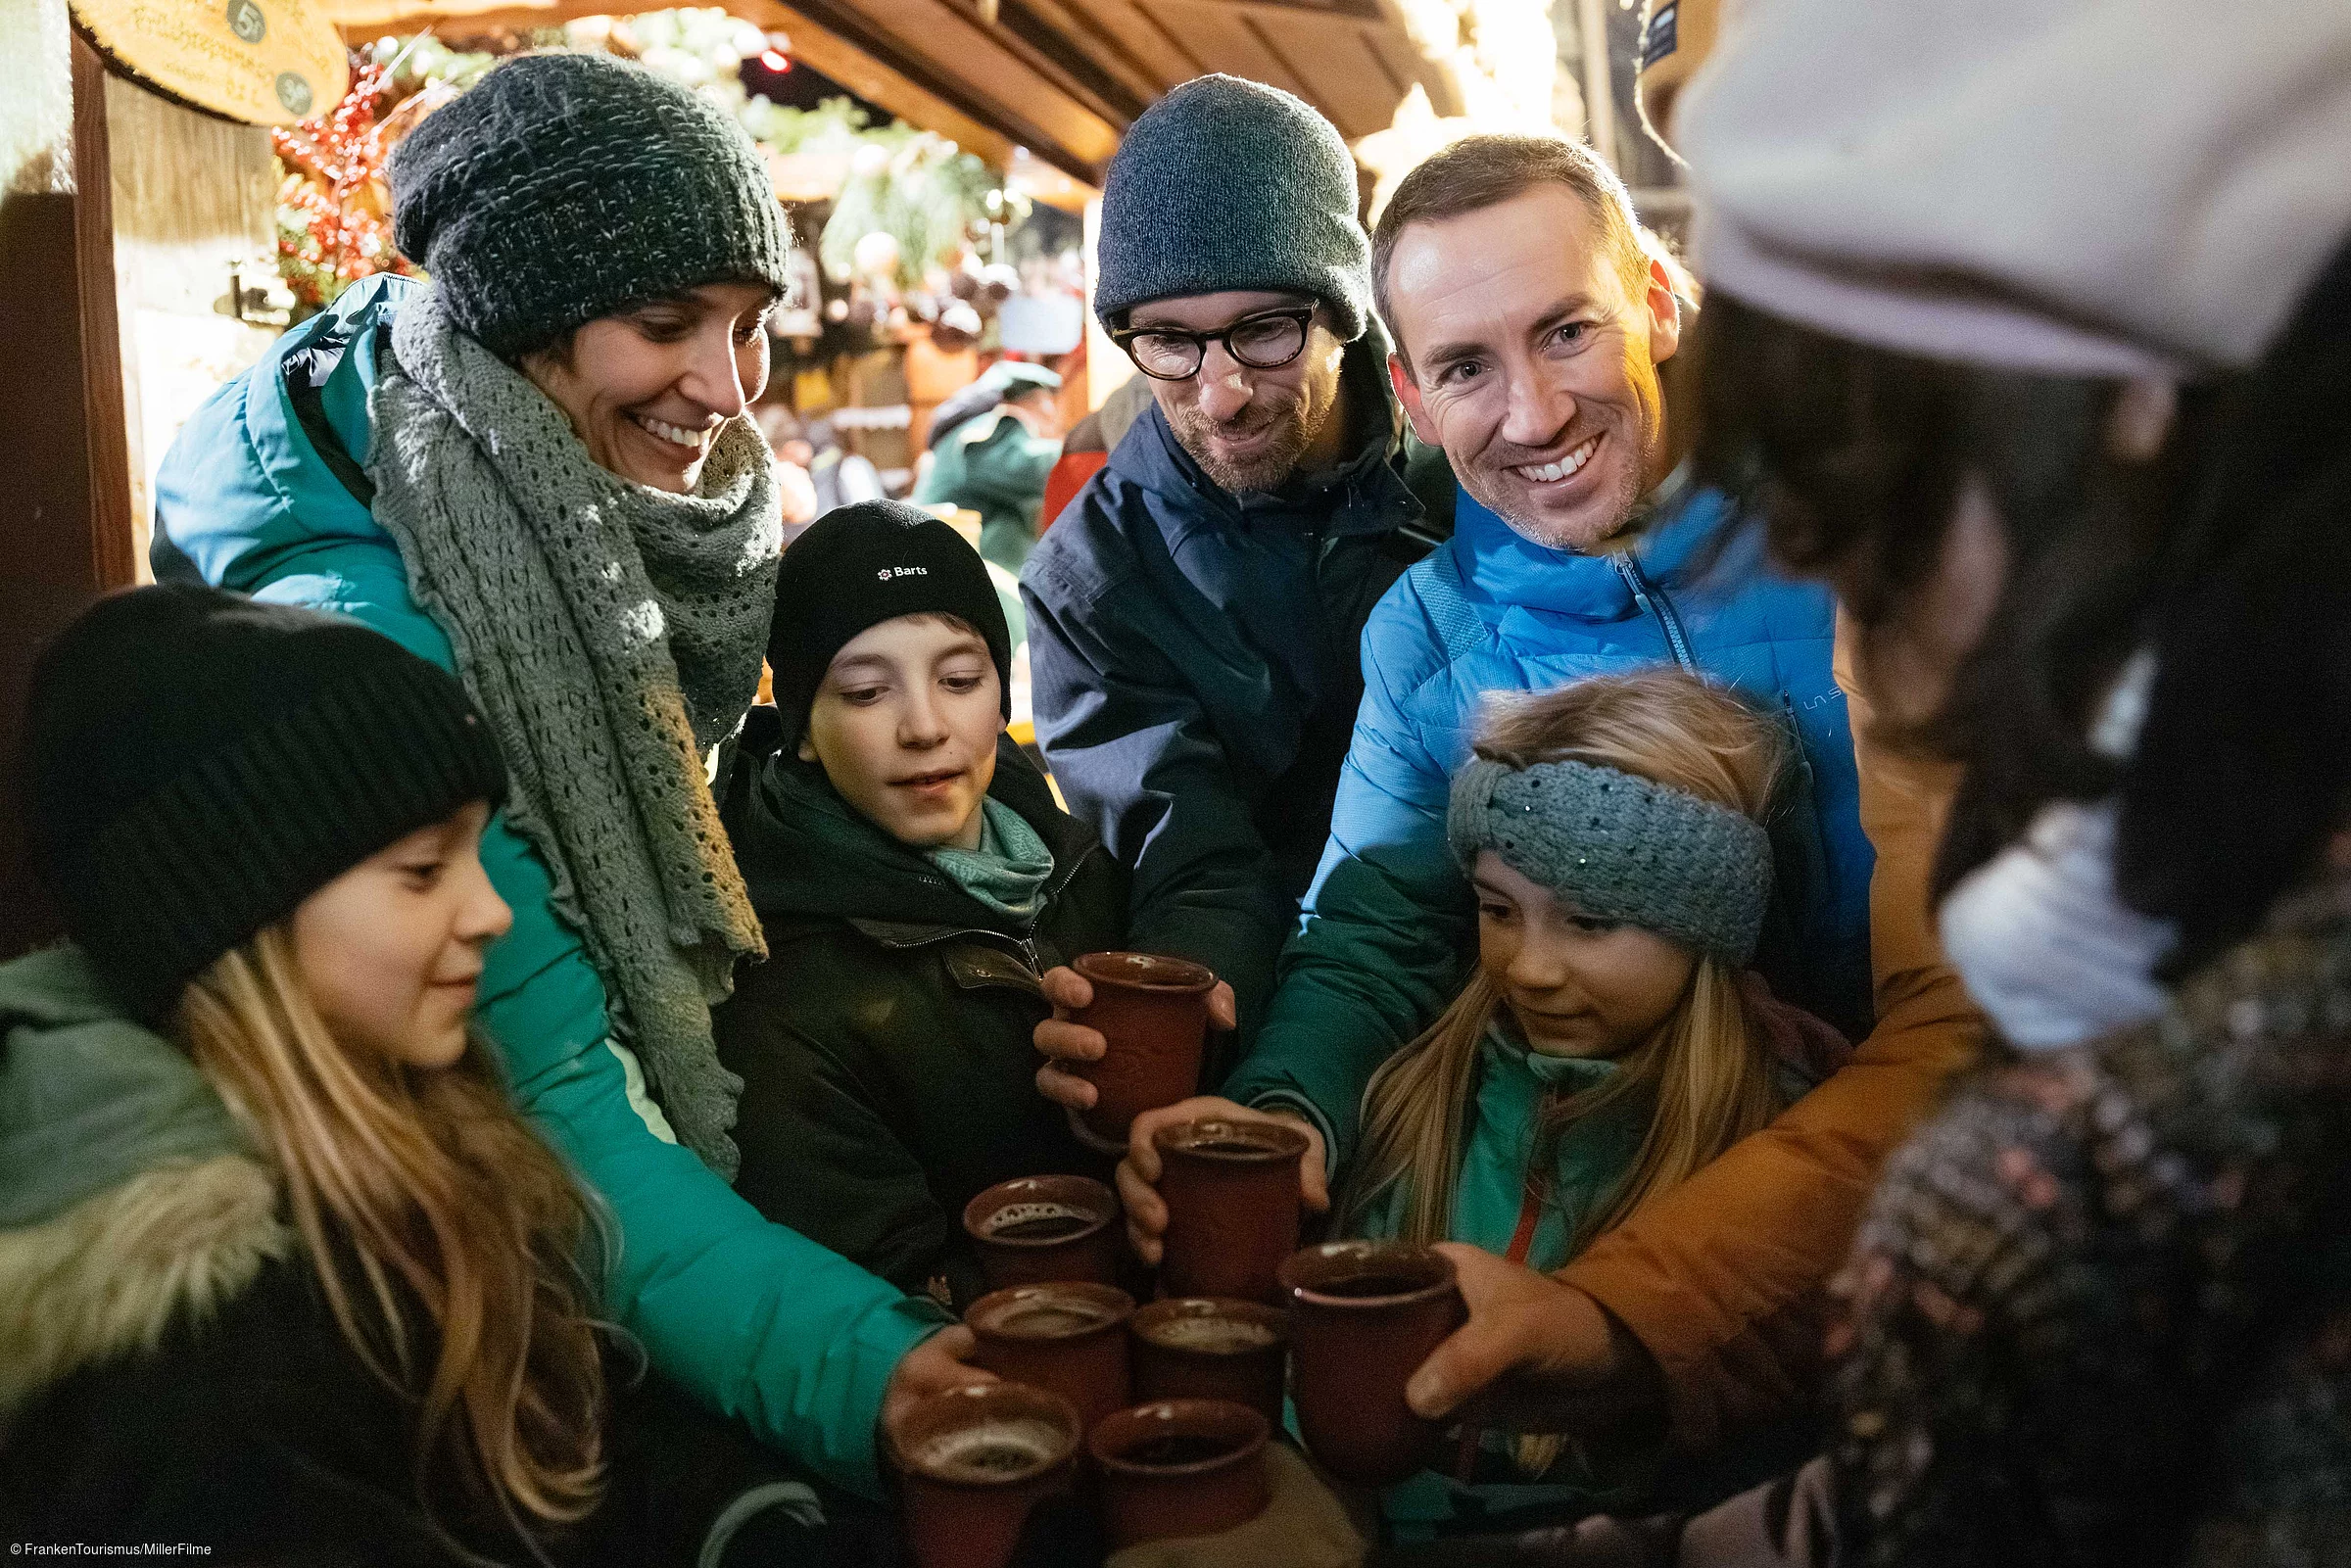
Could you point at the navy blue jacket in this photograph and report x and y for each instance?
(1196, 668)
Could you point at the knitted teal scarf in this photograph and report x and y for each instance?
(1009, 869)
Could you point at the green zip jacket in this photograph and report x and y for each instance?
(256, 495)
(991, 464)
(1490, 1201)
(885, 1046)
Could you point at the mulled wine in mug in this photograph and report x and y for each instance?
(1234, 1199)
(1363, 1317)
(1037, 1229)
(1179, 1469)
(1152, 1014)
(1069, 1337)
(1211, 1349)
(973, 1463)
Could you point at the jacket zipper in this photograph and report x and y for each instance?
(1523, 1238)
(1652, 600)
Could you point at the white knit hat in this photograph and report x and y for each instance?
(2094, 187)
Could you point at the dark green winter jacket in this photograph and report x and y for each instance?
(993, 465)
(885, 1046)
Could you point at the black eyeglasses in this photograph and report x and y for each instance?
(1265, 341)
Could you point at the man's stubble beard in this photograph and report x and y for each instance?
(1623, 500)
(1618, 514)
(1296, 430)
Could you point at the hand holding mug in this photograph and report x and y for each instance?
(1060, 1040)
(1536, 1355)
(1139, 1172)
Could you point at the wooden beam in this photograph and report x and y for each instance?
(967, 64)
(893, 90)
(65, 515)
(922, 96)
(114, 556)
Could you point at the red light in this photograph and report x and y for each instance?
(774, 60)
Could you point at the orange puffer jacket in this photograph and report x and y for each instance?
(1721, 1278)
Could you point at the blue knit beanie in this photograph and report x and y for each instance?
(1230, 184)
(565, 187)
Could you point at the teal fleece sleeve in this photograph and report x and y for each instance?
(1384, 937)
(750, 1318)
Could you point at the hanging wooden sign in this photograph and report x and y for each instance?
(264, 62)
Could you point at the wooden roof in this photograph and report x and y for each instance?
(1063, 79)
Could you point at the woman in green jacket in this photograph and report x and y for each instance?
(535, 473)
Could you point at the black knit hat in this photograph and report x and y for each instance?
(198, 764)
(858, 566)
(1231, 184)
(565, 187)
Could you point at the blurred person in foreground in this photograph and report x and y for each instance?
(2064, 418)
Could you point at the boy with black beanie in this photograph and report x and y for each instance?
(914, 879)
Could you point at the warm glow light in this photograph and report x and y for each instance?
(774, 60)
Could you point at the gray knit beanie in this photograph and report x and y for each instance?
(1620, 848)
(567, 186)
(1230, 184)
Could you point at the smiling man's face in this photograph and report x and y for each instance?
(1533, 362)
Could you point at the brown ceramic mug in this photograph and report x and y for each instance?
(1180, 1467)
(1364, 1315)
(1210, 1350)
(1152, 1012)
(973, 1461)
(1038, 1229)
(1233, 1196)
(1069, 1337)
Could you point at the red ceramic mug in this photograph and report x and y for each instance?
(1069, 1337)
(1210, 1350)
(1233, 1196)
(1152, 1012)
(1180, 1467)
(972, 1464)
(1037, 1229)
(1364, 1315)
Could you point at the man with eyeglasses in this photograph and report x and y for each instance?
(1195, 612)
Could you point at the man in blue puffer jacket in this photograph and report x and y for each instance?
(1528, 322)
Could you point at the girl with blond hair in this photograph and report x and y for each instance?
(283, 1274)
(1610, 1040)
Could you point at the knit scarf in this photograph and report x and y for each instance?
(1009, 869)
(611, 634)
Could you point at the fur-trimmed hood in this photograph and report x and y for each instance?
(128, 1197)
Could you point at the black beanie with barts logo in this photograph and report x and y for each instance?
(198, 764)
(858, 566)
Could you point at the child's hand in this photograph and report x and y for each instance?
(934, 1366)
(1058, 1040)
(1536, 1355)
(1138, 1172)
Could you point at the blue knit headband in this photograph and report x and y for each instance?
(1620, 848)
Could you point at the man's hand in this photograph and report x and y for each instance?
(934, 1366)
(1138, 1172)
(1536, 1355)
(1059, 1040)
